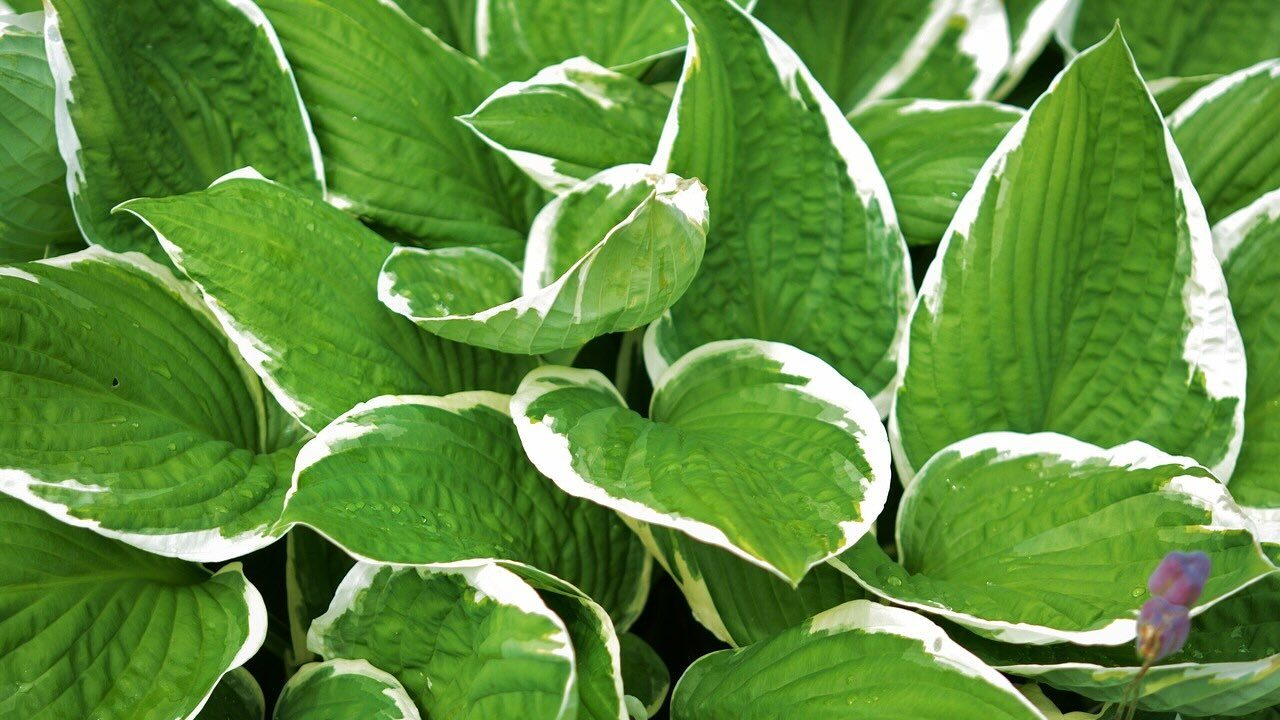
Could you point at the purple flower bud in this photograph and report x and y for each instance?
(1162, 629)
(1180, 577)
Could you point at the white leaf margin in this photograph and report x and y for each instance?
(340, 667)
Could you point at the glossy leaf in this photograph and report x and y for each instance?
(236, 697)
(632, 272)
(453, 21)
(313, 570)
(127, 412)
(858, 660)
(394, 154)
(1041, 538)
(93, 628)
(344, 690)
(153, 102)
(1228, 131)
(292, 282)
(36, 220)
(930, 152)
(1076, 289)
(804, 246)
(433, 480)
(572, 120)
(644, 675)
(757, 448)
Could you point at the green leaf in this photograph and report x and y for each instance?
(127, 412)
(93, 628)
(1229, 132)
(804, 246)
(344, 690)
(1170, 93)
(36, 220)
(394, 154)
(644, 674)
(518, 38)
(632, 272)
(754, 447)
(470, 642)
(968, 59)
(236, 697)
(433, 480)
(293, 282)
(1042, 538)
(572, 120)
(23, 6)
(153, 103)
(1180, 38)
(1031, 24)
(1076, 289)
(1227, 667)
(858, 660)
(313, 570)
(453, 21)
(930, 151)
(739, 602)
(1248, 244)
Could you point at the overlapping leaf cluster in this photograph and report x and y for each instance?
(326, 269)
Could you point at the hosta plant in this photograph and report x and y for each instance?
(624, 359)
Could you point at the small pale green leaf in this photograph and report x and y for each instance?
(313, 570)
(968, 59)
(432, 480)
(128, 412)
(754, 447)
(858, 660)
(930, 151)
(1248, 244)
(1042, 538)
(469, 642)
(453, 21)
(36, 220)
(572, 120)
(1076, 289)
(517, 38)
(293, 282)
(154, 102)
(237, 697)
(629, 275)
(644, 675)
(1229, 132)
(344, 690)
(804, 246)
(394, 154)
(739, 602)
(93, 628)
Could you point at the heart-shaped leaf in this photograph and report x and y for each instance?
(93, 628)
(755, 447)
(127, 412)
(629, 275)
(292, 282)
(1076, 289)
(344, 690)
(433, 480)
(1042, 538)
(153, 103)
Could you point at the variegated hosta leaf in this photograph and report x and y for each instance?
(1035, 695)
(968, 59)
(293, 282)
(517, 38)
(1229, 132)
(93, 628)
(21, 6)
(433, 480)
(344, 690)
(453, 21)
(35, 211)
(1031, 24)
(644, 675)
(1076, 289)
(572, 120)
(152, 101)
(1181, 38)
(804, 246)
(470, 642)
(394, 154)
(632, 272)
(313, 570)
(739, 602)
(126, 410)
(857, 660)
(1226, 669)
(930, 151)
(1042, 538)
(754, 447)
(1248, 244)
(1170, 93)
(236, 697)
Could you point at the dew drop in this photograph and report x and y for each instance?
(1136, 592)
